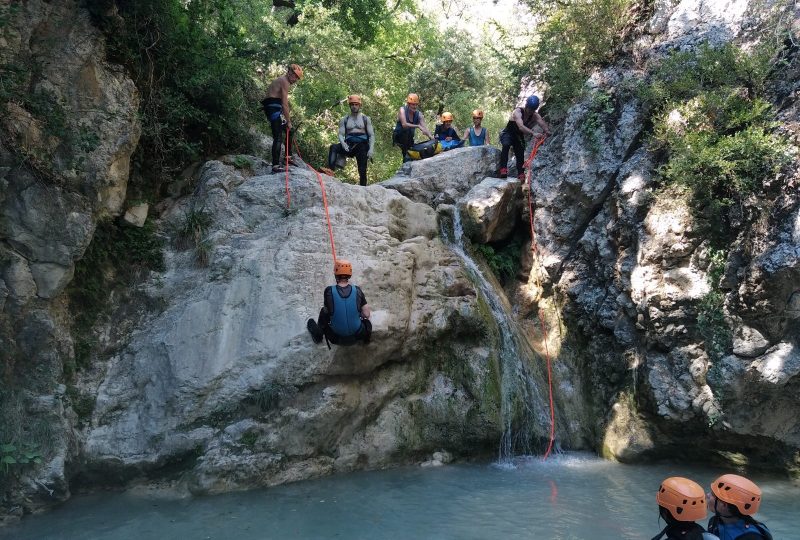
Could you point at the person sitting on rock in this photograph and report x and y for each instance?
(734, 499)
(681, 502)
(409, 119)
(356, 139)
(276, 107)
(475, 134)
(446, 134)
(519, 125)
(344, 317)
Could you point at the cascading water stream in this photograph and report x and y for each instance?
(520, 396)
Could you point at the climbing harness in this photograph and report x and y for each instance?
(536, 145)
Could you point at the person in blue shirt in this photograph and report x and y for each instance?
(344, 317)
(446, 134)
(476, 134)
(734, 499)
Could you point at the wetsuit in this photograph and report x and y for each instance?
(357, 139)
(440, 133)
(744, 529)
(273, 108)
(404, 137)
(511, 136)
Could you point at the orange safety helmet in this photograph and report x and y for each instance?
(354, 99)
(297, 70)
(738, 491)
(683, 498)
(412, 99)
(477, 113)
(447, 117)
(342, 267)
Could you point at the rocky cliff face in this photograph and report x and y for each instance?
(628, 264)
(69, 128)
(206, 375)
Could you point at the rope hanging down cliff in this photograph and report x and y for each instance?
(324, 198)
(539, 141)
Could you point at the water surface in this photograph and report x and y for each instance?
(571, 496)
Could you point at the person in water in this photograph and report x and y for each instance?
(446, 134)
(408, 120)
(520, 124)
(356, 139)
(276, 107)
(475, 134)
(733, 500)
(344, 317)
(681, 502)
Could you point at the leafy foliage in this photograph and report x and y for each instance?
(503, 260)
(117, 255)
(717, 132)
(601, 107)
(573, 38)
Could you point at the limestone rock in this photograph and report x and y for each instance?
(489, 210)
(136, 215)
(748, 342)
(446, 177)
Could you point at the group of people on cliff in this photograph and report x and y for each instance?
(344, 318)
(733, 500)
(357, 135)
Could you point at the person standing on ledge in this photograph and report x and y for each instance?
(520, 124)
(356, 139)
(276, 107)
(475, 134)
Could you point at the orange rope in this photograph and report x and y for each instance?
(528, 162)
(324, 199)
(288, 151)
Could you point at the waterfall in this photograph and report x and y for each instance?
(523, 411)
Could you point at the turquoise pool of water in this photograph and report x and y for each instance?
(574, 496)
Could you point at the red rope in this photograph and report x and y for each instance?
(288, 151)
(536, 145)
(550, 385)
(324, 199)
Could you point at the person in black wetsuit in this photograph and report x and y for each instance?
(681, 502)
(276, 107)
(519, 125)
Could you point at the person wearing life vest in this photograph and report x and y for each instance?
(344, 317)
(356, 139)
(276, 107)
(681, 502)
(734, 499)
(475, 134)
(520, 124)
(446, 134)
(409, 119)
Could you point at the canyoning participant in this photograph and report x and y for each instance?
(409, 119)
(356, 139)
(276, 107)
(446, 134)
(681, 502)
(344, 317)
(734, 499)
(476, 134)
(513, 135)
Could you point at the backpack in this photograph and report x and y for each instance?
(425, 149)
